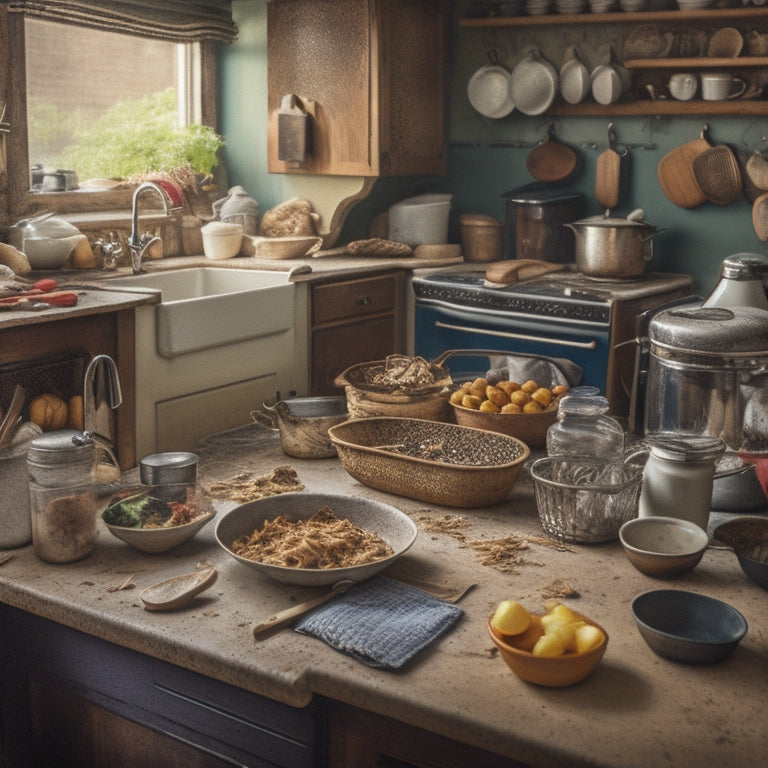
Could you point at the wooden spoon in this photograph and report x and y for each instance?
(760, 217)
(178, 591)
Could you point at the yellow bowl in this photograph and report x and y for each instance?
(550, 671)
(531, 428)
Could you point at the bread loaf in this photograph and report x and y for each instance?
(294, 217)
(14, 259)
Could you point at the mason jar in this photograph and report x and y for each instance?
(60, 468)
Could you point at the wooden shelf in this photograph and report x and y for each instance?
(661, 107)
(728, 14)
(697, 63)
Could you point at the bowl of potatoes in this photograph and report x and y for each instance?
(523, 410)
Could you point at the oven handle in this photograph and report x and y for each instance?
(487, 332)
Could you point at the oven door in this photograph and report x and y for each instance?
(441, 326)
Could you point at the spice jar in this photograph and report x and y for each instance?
(60, 466)
(678, 477)
(171, 476)
(584, 428)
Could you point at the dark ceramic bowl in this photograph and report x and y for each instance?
(748, 536)
(688, 627)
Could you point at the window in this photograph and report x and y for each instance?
(98, 101)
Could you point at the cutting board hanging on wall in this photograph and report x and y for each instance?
(612, 173)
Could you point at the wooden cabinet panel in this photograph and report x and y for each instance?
(354, 298)
(371, 76)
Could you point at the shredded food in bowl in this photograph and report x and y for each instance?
(322, 541)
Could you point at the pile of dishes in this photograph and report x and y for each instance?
(694, 5)
(570, 6)
(537, 7)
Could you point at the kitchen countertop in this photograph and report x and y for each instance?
(636, 709)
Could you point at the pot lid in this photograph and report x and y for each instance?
(61, 446)
(713, 334)
(634, 219)
(684, 448)
(532, 194)
(173, 467)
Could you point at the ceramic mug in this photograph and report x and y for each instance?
(718, 86)
(683, 86)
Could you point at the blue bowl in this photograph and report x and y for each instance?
(688, 627)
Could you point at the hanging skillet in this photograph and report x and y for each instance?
(553, 161)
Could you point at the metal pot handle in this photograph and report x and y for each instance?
(264, 419)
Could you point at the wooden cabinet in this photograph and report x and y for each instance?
(371, 76)
(353, 321)
(746, 20)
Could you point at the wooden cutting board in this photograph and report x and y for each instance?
(514, 270)
(676, 174)
(612, 177)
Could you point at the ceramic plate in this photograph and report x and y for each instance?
(488, 91)
(534, 85)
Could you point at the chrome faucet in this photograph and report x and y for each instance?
(140, 244)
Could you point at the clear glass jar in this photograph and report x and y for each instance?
(584, 429)
(678, 478)
(60, 466)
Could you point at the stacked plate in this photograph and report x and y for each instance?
(694, 5)
(571, 6)
(537, 7)
(602, 6)
(489, 91)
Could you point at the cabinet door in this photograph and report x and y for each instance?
(371, 78)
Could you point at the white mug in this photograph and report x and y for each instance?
(718, 86)
(683, 85)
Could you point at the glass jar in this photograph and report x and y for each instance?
(60, 467)
(678, 478)
(584, 429)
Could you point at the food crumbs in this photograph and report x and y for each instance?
(559, 588)
(244, 487)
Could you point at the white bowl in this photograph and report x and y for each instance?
(49, 252)
(488, 91)
(392, 525)
(221, 240)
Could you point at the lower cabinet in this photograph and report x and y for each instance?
(354, 321)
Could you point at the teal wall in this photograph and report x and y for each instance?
(487, 157)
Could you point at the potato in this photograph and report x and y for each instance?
(511, 408)
(521, 397)
(497, 396)
(543, 396)
(489, 407)
(532, 407)
(510, 618)
(508, 386)
(529, 386)
(471, 401)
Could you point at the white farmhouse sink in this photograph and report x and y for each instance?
(204, 307)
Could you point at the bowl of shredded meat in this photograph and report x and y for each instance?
(316, 539)
(155, 520)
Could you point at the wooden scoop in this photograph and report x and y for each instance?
(676, 176)
(760, 217)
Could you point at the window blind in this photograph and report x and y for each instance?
(175, 20)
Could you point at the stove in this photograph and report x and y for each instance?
(589, 321)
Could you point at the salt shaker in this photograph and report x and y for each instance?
(60, 467)
(584, 428)
(678, 477)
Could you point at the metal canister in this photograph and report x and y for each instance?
(61, 467)
(171, 476)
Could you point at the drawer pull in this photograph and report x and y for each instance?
(487, 332)
(366, 300)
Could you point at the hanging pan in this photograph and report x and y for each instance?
(718, 174)
(676, 177)
(553, 161)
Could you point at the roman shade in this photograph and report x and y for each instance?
(180, 21)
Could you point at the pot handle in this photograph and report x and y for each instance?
(264, 419)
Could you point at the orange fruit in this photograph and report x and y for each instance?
(49, 412)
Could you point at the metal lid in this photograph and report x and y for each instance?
(536, 196)
(63, 446)
(680, 448)
(172, 468)
(710, 335)
(744, 266)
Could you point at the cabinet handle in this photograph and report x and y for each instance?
(487, 332)
(366, 300)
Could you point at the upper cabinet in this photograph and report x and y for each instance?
(650, 74)
(357, 87)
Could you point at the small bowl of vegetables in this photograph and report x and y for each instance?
(157, 519)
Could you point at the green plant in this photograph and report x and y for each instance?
(135, 138)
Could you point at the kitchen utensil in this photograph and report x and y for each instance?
(584, 500)
(550, 671)
(683, 85)
(175, 593)
(663, 547)
(551, 161)
(303, 424)
(718, 174)
(574, 78)
(482, 237)
(384, 520)
(434, 462)
(101, 395)
(676, 177)
(11, 417)
(757, 170)
(614, 247)
(760, 217)
(688, 627)
(748, 537)
(726, 43)
(720, 86)
(612, 173)
(221, 240)
(420, 219)
(534, 84)
(514, 270)
(488, 90)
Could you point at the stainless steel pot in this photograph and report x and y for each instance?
(613, 247)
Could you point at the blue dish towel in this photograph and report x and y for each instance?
(381, 622)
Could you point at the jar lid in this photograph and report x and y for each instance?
(585, 404)
(171, 468)
(744, 266)
(714, 334)
(684, 448)
(63, 446)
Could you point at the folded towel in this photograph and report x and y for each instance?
(381, 622)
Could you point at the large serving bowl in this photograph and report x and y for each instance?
(688, 627)
(430, 461)
(388, 522)
(748, 536)
(531, 428)
(663, 546)
(550, 671)
(583, 500)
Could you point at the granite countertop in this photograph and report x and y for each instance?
(636, 709)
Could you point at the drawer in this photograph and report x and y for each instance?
(354, 298)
